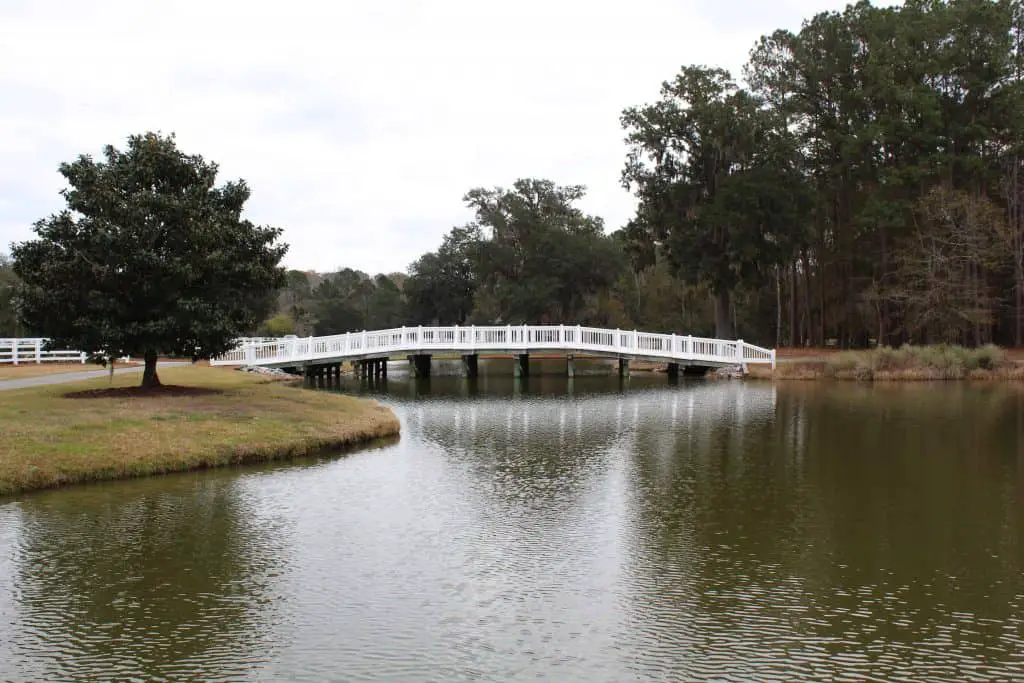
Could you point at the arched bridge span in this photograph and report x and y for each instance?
(520, 341)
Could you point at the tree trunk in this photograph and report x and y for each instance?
(1018, 252)
(149, 377)
(821, 305)
(778, 306)
(1020, 307)
(793, 336)
(808, 319)
(723, 317)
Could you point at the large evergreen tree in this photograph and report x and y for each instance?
(441, 284)
(8, 298)
(718, 186)
(150, 257)
(539, 257)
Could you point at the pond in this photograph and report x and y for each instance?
(592, 529)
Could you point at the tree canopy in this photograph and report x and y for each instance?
(530, 255)
(715, 175)
(810, 189)
(150, 257)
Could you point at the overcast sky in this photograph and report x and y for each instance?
(358, 125)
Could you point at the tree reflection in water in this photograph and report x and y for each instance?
(152, 579)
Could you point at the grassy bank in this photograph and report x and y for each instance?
(908, 363)
(56, 435)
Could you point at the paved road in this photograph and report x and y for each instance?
(65, 377)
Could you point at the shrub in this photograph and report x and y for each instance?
(941, 361)
(989, 357)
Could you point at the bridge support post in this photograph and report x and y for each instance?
(384, 369)
(623, 367)
(570, 366)
(470, 365)
(420, 364)
(673, 371)
(521, 365)
(307, 375)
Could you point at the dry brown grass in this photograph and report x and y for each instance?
(792, 370)
(23, 370)
(805, 352)
(905, 364)
(49, 439)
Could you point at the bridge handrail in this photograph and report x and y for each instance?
(494, 338)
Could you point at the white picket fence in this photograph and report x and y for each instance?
(21, 351)
(502, 338)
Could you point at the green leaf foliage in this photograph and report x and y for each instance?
(539, 257)
(150, 256)
(9, 282)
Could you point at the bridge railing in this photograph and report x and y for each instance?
(496, 338)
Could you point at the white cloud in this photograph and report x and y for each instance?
(359, 125)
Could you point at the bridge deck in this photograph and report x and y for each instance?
(506, 339)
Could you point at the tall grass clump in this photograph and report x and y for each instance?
(937, 362)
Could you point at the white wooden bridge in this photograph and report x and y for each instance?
(419, 343)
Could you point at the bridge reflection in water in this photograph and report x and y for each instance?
(598, 409)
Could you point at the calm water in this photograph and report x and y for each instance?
(592, 532)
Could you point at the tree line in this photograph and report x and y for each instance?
(860, 184)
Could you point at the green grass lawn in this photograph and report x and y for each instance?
(202, 417)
